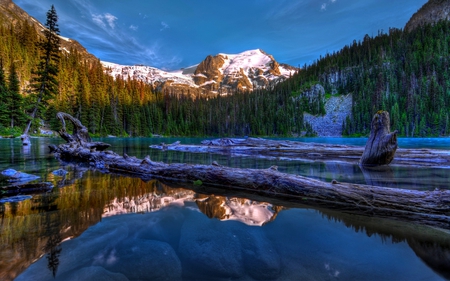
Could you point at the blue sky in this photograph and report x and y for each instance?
(171, 34)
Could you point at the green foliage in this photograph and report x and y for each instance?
(44, 81)
(10, 132)
(309, 130)
(404, 73)
(198, 182)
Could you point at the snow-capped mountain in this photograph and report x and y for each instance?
(219, 74)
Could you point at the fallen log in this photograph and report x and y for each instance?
(424, 207)
(295, 150)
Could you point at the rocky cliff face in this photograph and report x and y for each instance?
(330, 125)
(432, 12)
(246, 71)
(219, 74)
(10, 13)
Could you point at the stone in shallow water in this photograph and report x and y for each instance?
(261, 259)
(208, 248)
(96, 273)
(17, 176)
(79, 252)
(164, 226)
(140, 259)
(60, 172)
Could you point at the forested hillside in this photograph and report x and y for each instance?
(107, 105)
(113, 106)
(405, 73)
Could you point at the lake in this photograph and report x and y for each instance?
(97, 226)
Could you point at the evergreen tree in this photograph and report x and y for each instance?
(14, 102)
(45, 83)
(4, 118)
(3, 97)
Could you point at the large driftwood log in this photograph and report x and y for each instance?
(295, 150)
(382, 143)
(429, 207)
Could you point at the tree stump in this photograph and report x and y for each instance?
(382, 144)
(25, 139)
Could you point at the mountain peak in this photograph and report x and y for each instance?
(218, 74)
(432, 12)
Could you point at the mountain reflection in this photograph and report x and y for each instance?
(239, 209)
(33, 228)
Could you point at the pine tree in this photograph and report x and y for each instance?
(4, 118)
(45, 83)
(14, 102)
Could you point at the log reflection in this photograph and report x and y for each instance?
(379, 176)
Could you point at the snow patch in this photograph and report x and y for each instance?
(247, 64)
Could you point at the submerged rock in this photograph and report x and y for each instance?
(209, 248)
(17, 176)
(60, 172)
(140, 259)
(261, 259)
(96, 273)
(227, 249)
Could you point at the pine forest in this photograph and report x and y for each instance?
(404, 73)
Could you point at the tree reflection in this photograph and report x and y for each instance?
(431, 245)
(53, 250)
(35, 227)
(436, 256)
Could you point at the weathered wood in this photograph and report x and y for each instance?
(382, 143)
(25, 138)
(425, 207)
(80, 135)
(295, 150)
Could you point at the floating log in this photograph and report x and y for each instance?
(382, 143)
(424, 207)
(295, 150)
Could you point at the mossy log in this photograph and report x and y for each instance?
(424, 207)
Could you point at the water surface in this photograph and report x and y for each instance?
(94, 225)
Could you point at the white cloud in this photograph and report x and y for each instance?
(102, 20)
(110, 19)
(134, 27)
(164, 26)
(324, 6)
(98, 20)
